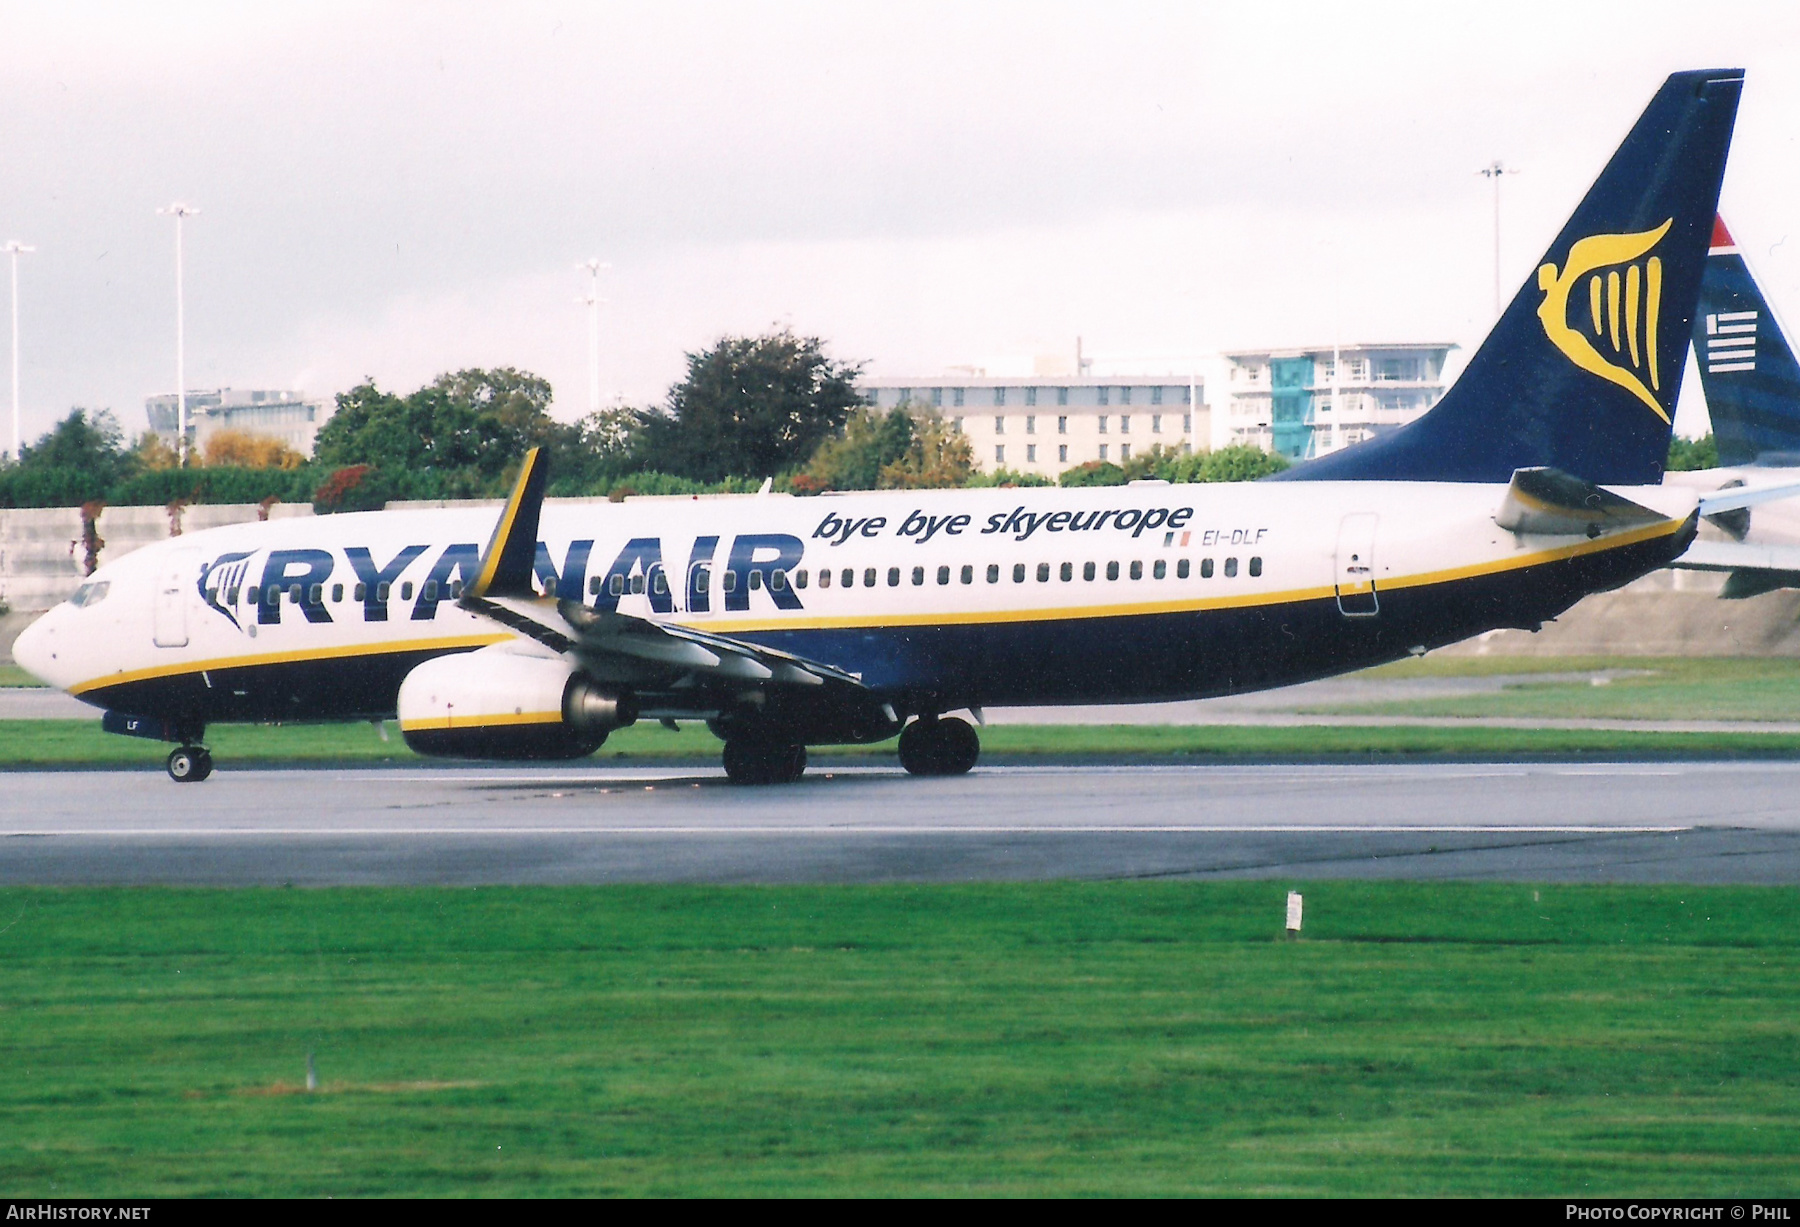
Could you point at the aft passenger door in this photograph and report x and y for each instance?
(170, 619)
(1356, 566)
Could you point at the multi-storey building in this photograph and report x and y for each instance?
(1307, 402)
(272, 414)
(1046, 424)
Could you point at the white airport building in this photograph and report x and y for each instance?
(1307, 402)
(276, 414)
(1046, 424)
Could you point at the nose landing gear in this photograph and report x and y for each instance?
(189, 764)
(931, 746)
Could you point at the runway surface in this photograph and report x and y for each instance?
(1700, 822)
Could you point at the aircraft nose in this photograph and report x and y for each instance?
(33, 651)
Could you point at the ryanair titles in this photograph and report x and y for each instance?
(252, 589)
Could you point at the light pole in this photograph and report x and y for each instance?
(15, 249)
(1494, 172)
(592, 299)
(180, 212)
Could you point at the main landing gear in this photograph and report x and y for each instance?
(750, 760)
(931, 746)
(189, 764)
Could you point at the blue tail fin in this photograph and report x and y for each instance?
(1582, 372)
(1751, 381)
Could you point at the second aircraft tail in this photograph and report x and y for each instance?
(1747, 369)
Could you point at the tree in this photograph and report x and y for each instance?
(1093, 473)
(79, 460)
(1240, 462)
(936, 458)
(458, 435)
(751, 406)
(1686, 455)
(854, 459)
(244, 450)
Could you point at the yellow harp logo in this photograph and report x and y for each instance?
(1622, 311)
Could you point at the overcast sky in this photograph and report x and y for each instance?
(397, 190)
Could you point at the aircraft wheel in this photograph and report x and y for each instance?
(749, 761)
(939, 747)
(961, 746)
(189, 764)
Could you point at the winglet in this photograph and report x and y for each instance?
(506, 565)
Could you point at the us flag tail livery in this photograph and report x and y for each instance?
(1747, 368)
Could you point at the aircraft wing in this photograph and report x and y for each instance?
(620, 647)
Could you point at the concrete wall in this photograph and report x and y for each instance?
(41, 554)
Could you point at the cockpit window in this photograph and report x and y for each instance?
(89, 594)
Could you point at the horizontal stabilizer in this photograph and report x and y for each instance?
(1739, 497)
(1738, 556)
(1551, 503)
(506, 565)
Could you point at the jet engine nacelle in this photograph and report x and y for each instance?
(506, 705)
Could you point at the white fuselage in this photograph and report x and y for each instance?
(1116, 593)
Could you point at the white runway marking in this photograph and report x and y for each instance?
(830, 830)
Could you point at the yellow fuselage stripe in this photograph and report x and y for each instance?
(432, 723)
(446, 644)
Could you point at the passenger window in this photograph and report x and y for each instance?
(728, 581)
(824, 577)
(406, 591)
(1230, 567)
(232, 599)
(456, 590)
(637, 583)
(1160, 570)
(1112, 570)
(593, 585)
(868, 577)
(1256, 566)
(1087, 570)
(1043, 572)
(617, 584)
(702, 580)
(315, 595)
(893, 577)
(1206, 568)
(294, 593)
(660, 585)
(849, 578)
(755, 582)
(1181, 569)
(431, 590)
(800, 578)
(1068, 571)
(337, 593)
(1018, 572)
(993, 573)
(382, 591)
(1137, 568)
(943, 575)
(968, 575)
(918, 576)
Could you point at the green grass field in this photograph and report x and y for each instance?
(1674, 688)
(12, 675)
(1061, 1038)
(28, 744)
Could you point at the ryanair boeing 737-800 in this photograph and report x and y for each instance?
(784, 622)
